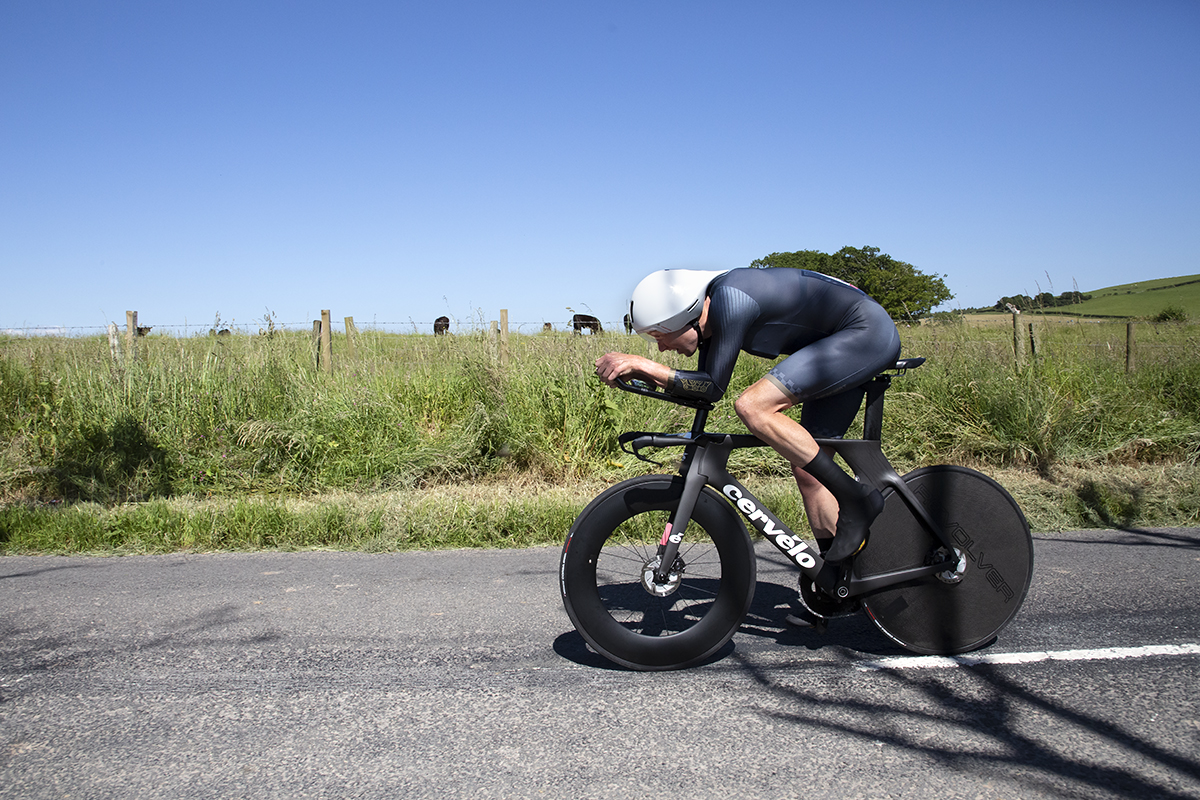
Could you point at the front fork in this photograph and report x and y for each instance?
(668, 546)
(694, 479)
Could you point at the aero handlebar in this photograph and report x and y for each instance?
(646, 390)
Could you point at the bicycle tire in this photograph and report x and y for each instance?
(602, 567)
(934, 616)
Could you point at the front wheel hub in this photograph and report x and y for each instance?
(669, 587)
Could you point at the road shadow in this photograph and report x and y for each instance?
(570, 646)
(30, 650)
(766, 620)
(990, 711)
(33, 573)
(1185, 539)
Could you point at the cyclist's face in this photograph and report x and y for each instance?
(685, 341)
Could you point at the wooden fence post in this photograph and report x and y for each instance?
(1032, 344)
(1130, 348)
(1018, 340)
(503, 337)
(131, 334)
(326, 342)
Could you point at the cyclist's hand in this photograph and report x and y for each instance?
(612, 367)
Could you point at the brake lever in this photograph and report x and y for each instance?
(630, 438)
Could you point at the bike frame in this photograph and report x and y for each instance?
(705, 464)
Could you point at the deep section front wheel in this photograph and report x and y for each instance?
(960, 609)
(608, 584)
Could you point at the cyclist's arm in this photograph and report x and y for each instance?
(731, 313)
(700, 383)
(612, 367)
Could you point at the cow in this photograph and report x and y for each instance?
(441, 325)
(547, 327)
(579, 322)
(142, 331)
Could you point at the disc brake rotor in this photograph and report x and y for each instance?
(952, 575)
(674, 577)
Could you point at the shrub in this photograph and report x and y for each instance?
(1170, 314)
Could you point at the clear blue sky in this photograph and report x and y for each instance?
(399, 161)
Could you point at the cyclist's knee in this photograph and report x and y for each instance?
(758, 402)
(744, 409)
(750, 413)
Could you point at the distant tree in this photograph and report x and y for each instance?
(1044, 300)
(813, 260)
(902, 289)
(1021, 302)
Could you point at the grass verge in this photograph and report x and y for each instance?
(521, 513)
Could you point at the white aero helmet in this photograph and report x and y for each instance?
(669, 300)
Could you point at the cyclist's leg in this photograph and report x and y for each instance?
(827, 376)
(825, 418)
(820, 506)
(761, 408)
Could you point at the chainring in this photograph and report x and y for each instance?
(821, 605)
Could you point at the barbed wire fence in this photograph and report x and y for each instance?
(409, 326)
(124, 344)
(1031, 335)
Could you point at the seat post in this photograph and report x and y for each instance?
(873, 416)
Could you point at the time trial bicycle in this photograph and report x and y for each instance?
(659, 571)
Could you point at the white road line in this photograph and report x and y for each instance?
(1103, 654)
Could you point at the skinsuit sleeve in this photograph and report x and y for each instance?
(731, 314)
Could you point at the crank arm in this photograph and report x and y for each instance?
(855, 586)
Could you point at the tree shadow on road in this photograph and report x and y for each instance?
(973, 719)
(1134, 537)
(29, 650)
(993, 709)
(985, 723)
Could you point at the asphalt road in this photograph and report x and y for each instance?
(458, 674)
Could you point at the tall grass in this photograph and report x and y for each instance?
(233, 415)
(1071, 404)
(251, 415)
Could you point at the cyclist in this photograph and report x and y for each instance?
(836, 338)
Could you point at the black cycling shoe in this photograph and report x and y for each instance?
(854, 524)
(858, 506)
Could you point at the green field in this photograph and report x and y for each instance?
(1146, 298)
(421, 441)
(1141, 300)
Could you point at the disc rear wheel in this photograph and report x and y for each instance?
(963, 608)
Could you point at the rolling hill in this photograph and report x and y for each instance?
(1141, 299)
